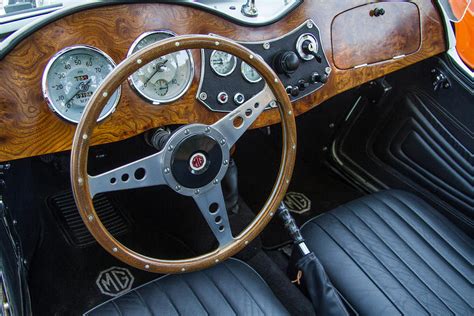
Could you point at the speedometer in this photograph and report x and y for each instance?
(72, 76)
(164, 79)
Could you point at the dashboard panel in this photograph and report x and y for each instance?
(29, 128)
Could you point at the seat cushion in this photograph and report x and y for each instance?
(230, 288)
(392, 253)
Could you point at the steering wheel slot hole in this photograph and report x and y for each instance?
(113, 180)
(125, 177)
(140, 174)
(248, 113)
(218, 219)
(213, 208)
(238, 121)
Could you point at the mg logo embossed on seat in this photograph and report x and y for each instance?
(297, 202)
(115, 281)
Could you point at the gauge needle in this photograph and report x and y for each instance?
(159, 68)
(82, 87)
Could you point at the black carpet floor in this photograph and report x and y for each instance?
(258, 166)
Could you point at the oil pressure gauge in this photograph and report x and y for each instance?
(164, 79)
(223, 63)
(72, 76)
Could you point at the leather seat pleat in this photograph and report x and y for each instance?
(230, 288)
(414, 260)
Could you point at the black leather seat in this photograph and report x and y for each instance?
(391, 253)
(230, 288)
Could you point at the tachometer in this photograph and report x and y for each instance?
(72, 76)
(222, 63)
(165, 79)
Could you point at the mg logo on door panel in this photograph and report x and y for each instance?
(115, 281)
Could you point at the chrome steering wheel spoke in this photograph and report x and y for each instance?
(234, 124)
(144, 172)
(212, 206)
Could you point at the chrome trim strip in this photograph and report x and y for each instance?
(213, 6)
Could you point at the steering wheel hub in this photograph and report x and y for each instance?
(196, 159)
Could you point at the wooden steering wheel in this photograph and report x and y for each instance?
(192, 163)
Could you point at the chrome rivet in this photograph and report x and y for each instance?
(216, 181)
(170, 147)
(273, 104)
(178, 187)
(271, 213)
(80, 181)
(114, 249)
(90, 218)
(105, 94)
(217, 260)
(223, 141)
(276, 80)
(186, 132)
(167, 170)
(84, 136)
(15, 222)
(266, 45)
(217, 43)
(246, 242)
(251, 56)
(177, 43)
(294, 146)
(197, 191)
(226, 162)
(183, 269)
(287, 181)
(327, 70)
(289, 112)
(147, 266)
(203, 96)
(139, 61)
(208, 129)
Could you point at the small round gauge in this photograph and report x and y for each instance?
(71, 78)
(223, 63)
(165, 79)
(249, 73)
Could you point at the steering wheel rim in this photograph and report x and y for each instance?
(81, 181)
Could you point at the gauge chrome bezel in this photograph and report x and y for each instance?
(44, 82)
(140, 93)
(218, 73)
(245, 76)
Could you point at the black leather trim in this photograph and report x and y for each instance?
(392, 253)
(230, 288)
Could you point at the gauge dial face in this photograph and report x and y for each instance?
(72, 76)
(222, 63)
(165, 79)
(249, 73)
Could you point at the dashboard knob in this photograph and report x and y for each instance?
(295, 91)
(316, 77)
(286, 62)
(302, 84)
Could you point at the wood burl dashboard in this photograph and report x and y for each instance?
(29, 128)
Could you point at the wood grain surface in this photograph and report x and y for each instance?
(28, 128)
(360, 37)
